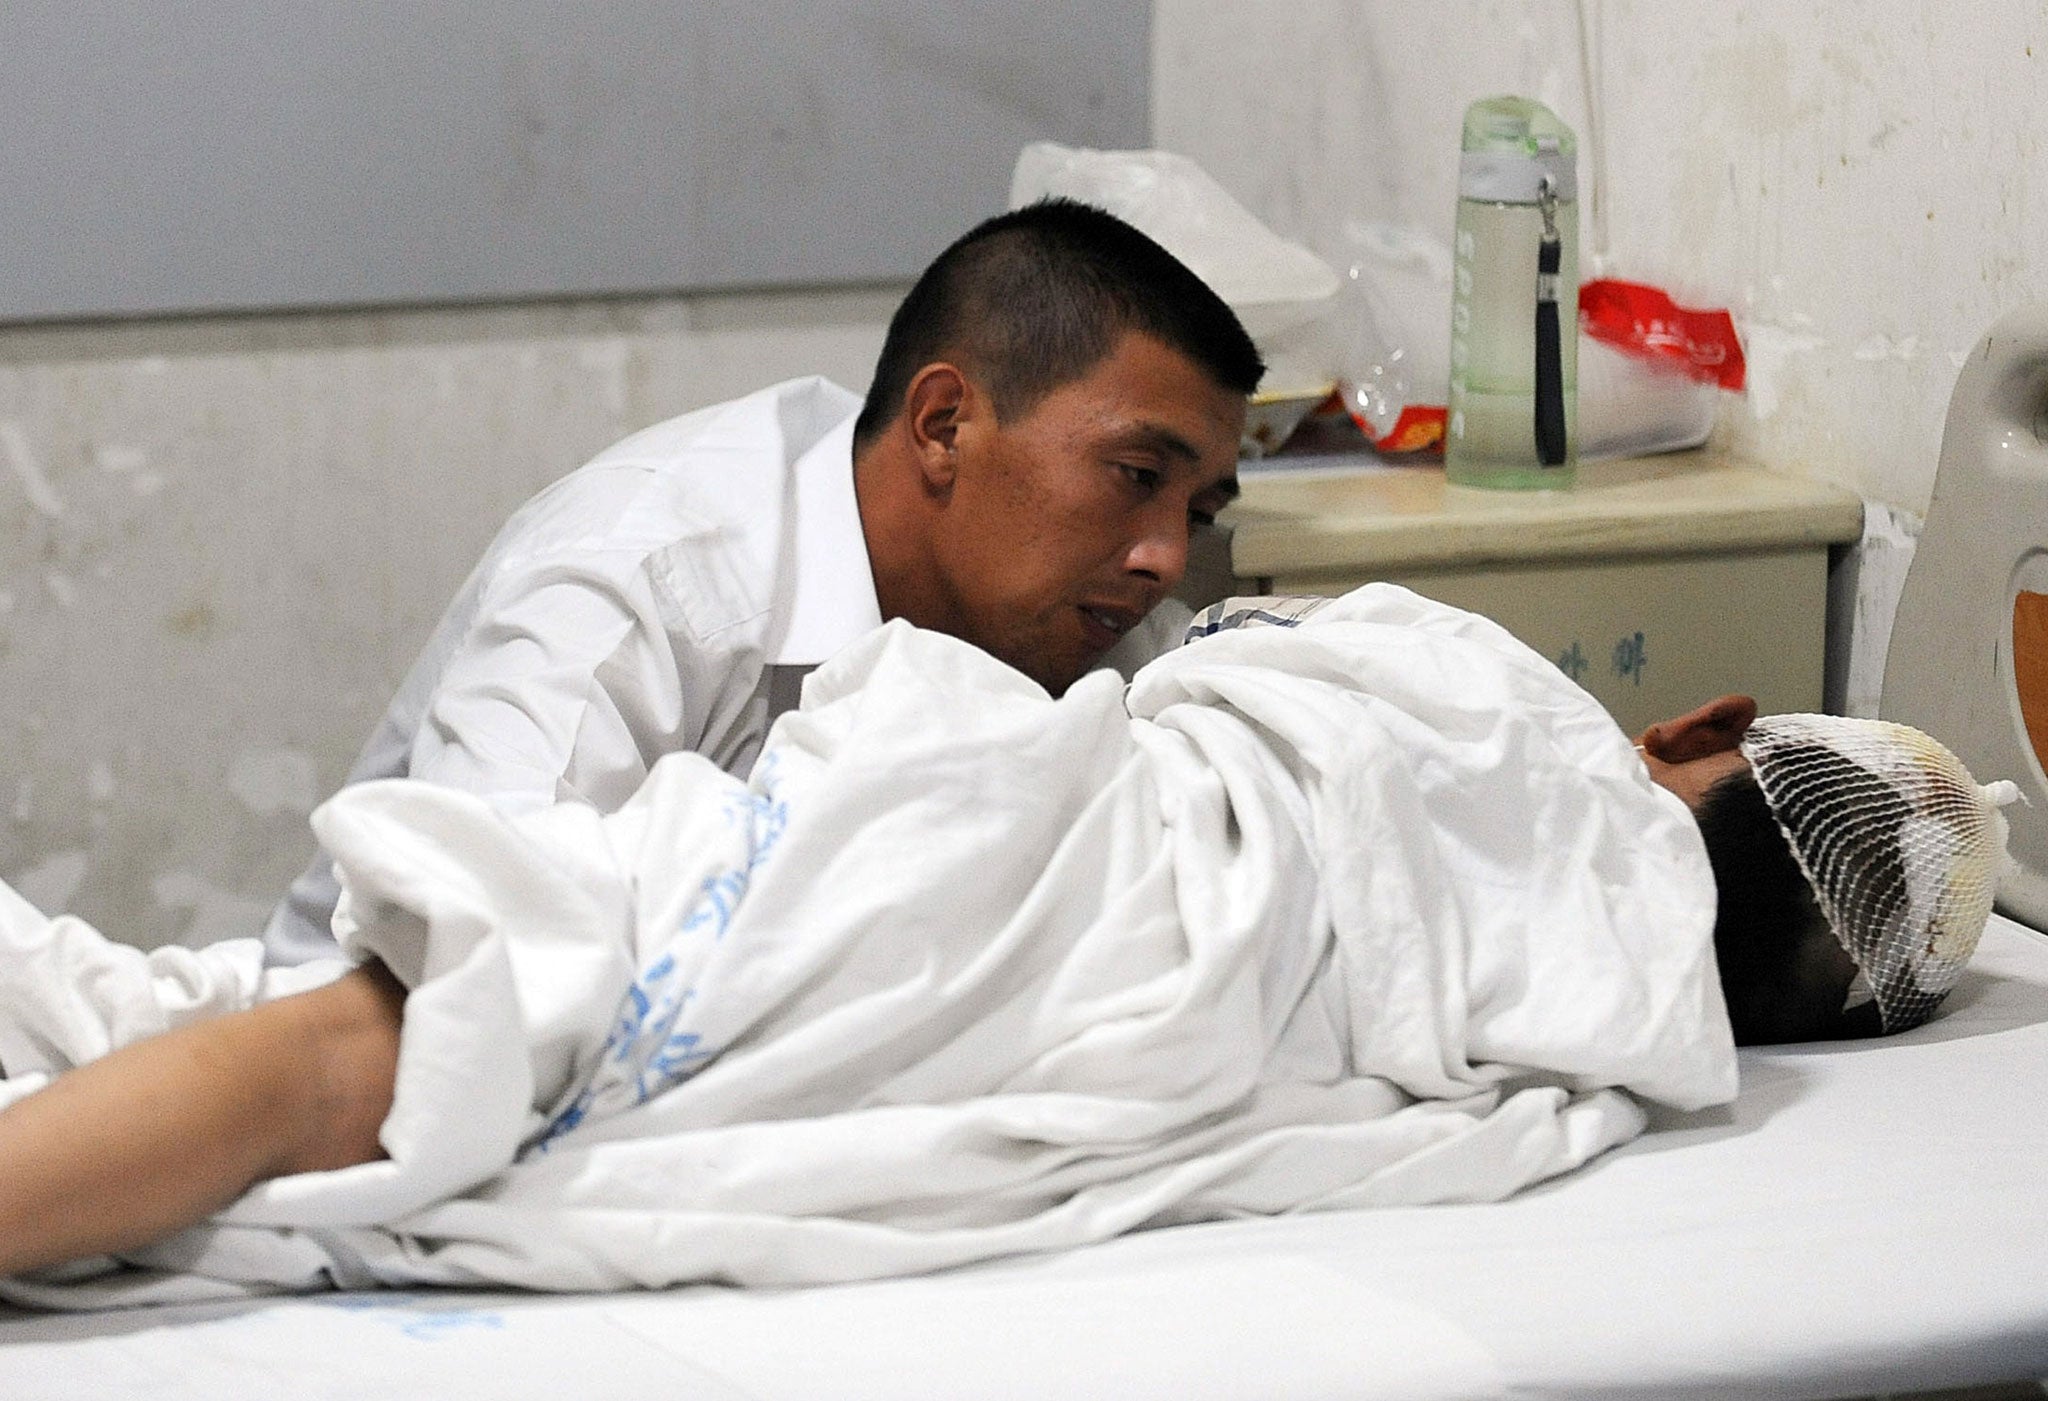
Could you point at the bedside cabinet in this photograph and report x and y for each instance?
(1656, 583)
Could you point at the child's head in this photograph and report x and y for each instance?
(1784, 974)
(1855, 862)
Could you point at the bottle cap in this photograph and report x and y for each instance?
(1511, 144)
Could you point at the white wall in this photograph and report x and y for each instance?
(222, 542)
(1864, 182)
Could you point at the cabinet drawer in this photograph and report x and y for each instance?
(1650, 637)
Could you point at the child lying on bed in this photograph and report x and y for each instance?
(1376, 909)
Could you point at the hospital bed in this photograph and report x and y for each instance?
(1866, 1219)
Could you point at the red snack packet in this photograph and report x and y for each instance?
(1420, 428)
(1642, 321)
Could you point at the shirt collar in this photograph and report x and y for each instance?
(833, 600)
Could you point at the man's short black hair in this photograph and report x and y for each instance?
(1782, 968)
(1035, 298)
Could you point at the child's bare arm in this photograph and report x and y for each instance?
(163, 1133)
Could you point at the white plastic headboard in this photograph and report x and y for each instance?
(1949, 669)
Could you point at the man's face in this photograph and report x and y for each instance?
(1693, 752)
(1070, 522)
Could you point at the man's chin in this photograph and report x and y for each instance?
(1055, 676)
(1052, 656)
(1057, 684)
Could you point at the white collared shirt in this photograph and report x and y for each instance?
(669, 595)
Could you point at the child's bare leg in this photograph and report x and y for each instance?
(163, 1133)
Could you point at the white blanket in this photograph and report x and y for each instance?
(1380, 909)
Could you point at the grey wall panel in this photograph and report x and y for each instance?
(224, 154)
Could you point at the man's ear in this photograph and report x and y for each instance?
(1714, 728)
(932, 409)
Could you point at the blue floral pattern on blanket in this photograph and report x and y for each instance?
(655, 1040)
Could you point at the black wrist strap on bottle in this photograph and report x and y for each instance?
(1550, 434)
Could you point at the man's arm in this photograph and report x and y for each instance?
(549, 692)
(161, 1134)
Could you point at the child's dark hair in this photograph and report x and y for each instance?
(1783, 971)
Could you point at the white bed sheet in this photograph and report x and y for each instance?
(1868, 1218)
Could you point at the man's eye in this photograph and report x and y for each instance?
(1201, 520)
(1144, 478)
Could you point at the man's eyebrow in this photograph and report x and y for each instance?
(1163, 439)
(1160, 439)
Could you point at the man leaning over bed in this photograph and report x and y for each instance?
(1056, 408)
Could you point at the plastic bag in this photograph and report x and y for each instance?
(1393, 327)
(1650, 371)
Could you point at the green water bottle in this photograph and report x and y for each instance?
(1514, 300)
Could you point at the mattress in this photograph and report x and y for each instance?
(1866, 1217)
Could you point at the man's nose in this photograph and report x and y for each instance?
(1161, 552)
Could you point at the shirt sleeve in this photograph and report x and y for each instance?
(565, 686)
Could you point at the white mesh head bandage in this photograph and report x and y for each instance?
(1903, 849)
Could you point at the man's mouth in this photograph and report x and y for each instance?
(1115, 621)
